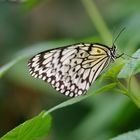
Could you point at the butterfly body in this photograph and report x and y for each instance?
(72, 69)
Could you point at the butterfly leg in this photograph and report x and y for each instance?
(119, 56)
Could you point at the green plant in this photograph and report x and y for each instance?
(122, 77)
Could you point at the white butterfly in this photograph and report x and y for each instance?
(72, 69)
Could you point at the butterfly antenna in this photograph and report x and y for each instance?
(123, 53)
(113, 33)
(118, 35)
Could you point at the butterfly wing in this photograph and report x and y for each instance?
(71, 69)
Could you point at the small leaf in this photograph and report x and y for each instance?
(132, 67)
(134, 135)
(33, 129)
(112, 72)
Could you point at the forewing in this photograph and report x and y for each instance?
(71, 69)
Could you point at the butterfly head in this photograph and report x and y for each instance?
(113, 52)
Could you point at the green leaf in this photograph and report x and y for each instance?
(132, 67)
(33, 129)
(112, 72)
(40, 125)
(7, 66)
(80, 98)
(133, 135)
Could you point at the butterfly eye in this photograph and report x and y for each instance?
(114, 47)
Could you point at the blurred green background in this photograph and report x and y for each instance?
(27, 24)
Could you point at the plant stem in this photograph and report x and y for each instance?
(120, 91)
(122, 87)
(97, 20)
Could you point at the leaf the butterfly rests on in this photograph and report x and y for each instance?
(72, 69)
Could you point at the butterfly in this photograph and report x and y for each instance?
(72, 69)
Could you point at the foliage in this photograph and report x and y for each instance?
(120, 78)
(33, 129)
(134, 135)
